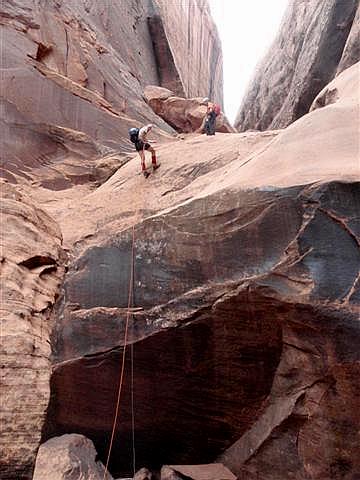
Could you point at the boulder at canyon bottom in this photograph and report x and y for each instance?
(69, 457)
(185, 115)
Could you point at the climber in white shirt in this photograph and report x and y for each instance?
(139, 138)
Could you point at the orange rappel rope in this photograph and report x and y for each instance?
(130, 301)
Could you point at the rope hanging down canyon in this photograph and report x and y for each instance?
(122, 369)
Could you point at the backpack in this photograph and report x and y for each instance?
(134, 134)
(217, 109)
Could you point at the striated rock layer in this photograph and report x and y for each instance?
(32, 267)
(195, 45)
(315, 36)
(245, 334)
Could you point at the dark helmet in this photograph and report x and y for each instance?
(133, 131)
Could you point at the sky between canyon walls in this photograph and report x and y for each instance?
(247, 29)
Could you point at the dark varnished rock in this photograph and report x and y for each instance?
(184, 384)
(244, 354)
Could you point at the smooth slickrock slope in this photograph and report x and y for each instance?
(247, 273)
(303, 58)
(32, 267)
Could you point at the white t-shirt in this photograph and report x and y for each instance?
(143, 132)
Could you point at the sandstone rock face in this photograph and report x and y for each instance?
(69, 457)
(143, 474)
(212, 471)
(168, 473)
(342, 88)
(244, 334)
(74, 73)
(195, 47)
(32, 267)
(183, 114)
(301, 61)
(72, 77)
(351, 53)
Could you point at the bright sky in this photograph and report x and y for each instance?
(246, 29)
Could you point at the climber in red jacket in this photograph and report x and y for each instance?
(212, 111)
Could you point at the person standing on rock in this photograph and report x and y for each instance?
(139, 138)
(210, 120)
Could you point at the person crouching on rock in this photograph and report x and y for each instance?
(139, 138)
